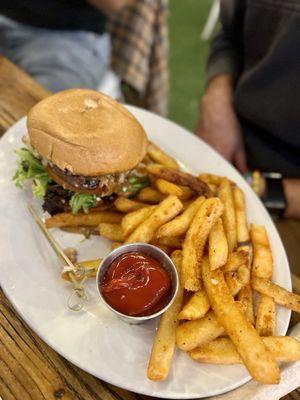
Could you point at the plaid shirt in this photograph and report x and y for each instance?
(140, 51)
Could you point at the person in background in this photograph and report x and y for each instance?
(250, 111)
(61, 43)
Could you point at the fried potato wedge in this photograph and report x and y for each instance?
(127, 205)
(92, 219)
(133, 219)
(150, 195)
(196, 308)
(111, 231)
(229, 219)
(218, 247)
(161, 157)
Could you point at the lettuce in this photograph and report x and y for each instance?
(30, 167)
(84, 201)
(136, 183)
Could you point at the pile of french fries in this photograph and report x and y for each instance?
(201, 223)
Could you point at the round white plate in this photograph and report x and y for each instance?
(94, 339)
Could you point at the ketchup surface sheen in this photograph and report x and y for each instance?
(136, 284)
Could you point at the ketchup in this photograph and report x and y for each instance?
(136, 284)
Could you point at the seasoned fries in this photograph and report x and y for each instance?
(263, 268)
(229, 219)
(179, 225)
(133, 219)
(257, 359)
(218, 247)
(180, 178)
(111, 231)
(220, 262)
(92, 219)
(280, 295)
(150, 195)
(222, 350)
(197, 306)
(164, 212)
(168, 188)
(160, 157)
(195, 239)
(164, 342)
(126, 205)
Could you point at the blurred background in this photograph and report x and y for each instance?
(188, 54)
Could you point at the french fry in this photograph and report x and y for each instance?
(165, 211)
(280, 295)
(211, 179)
(133, 219)
(195, 239)
(192, 334)
(218, 247)
(196, 308)
(126, 205)
(243, 236)
(179, 225)
(257, 359)
(91, 219)
(111, 231)
(160, 157)
(229, 220)
(164, 343)
(236, 280)
(168, 188)
(180, 178)
(88, 267)
(150, 195)
(262, 267)
(222, 350)
(171, 241)
(245, 295)
(236, 260)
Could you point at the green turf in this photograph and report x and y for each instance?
(188, 55)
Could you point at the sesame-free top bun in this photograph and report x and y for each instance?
(86, 132)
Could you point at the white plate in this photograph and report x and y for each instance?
(95, 340)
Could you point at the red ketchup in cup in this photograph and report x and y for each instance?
(136, 284)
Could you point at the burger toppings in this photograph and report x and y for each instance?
(61, 190)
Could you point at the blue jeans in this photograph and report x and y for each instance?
(56, 59)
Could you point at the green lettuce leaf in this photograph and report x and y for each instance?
(30, 167)
(137, 183)
(84, 201)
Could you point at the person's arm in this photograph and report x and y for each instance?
(110, 6)
(218, 124)
(292, 194)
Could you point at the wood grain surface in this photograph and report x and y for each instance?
(29, 368)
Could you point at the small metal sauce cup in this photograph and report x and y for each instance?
(147, 249)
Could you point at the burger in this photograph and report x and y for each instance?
(82, 150)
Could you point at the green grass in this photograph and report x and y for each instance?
(188, 54)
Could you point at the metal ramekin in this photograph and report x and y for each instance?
(152, 251)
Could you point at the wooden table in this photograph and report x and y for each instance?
(29, 369)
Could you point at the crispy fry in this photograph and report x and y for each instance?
(165, 211)
(245, 295)
(211, 179)
(179, 225)
(197, 306)
(218, 247)
(164, 342)
(91, 219)
(133, 219)
(150, 195)
(257, 359)
(180, 178)
(111, 231)
(159, 156)
(263, 268)
(187, 193)
(171, 241)
(229, 220)
(88, 267)
(126, 205)
(237, 279)
(222, 350)
(236, 260)
(195, 239)
(196, 333)
(279, 294)
(168, 188)
(243, 236)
